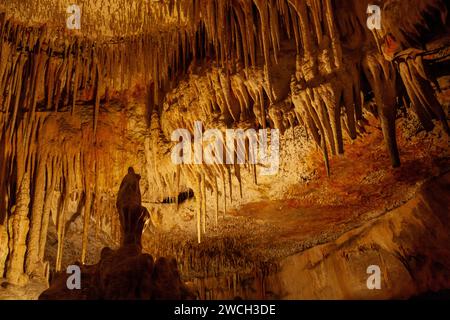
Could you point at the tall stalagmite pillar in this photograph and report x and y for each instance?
(18, 226)
(32, 257)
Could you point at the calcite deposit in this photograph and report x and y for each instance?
(358, 117)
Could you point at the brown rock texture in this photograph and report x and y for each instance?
(3, 248)
(18, 229)
(409, 244)
(361, 117)
(124, 274)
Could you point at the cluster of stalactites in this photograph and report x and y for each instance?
(99, 19)
(232, 32)
(168, 179)
(47, 176)
(43, 72)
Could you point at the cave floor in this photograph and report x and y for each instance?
(31, 291)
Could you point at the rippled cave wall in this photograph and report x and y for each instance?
(80, 107)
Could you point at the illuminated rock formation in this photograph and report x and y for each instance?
(18, 225)
(126, 273)
(362, 116)
(409, 253)
(133, 216)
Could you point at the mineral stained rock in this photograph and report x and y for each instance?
(126, 273)
(405, 244)
(361, 116)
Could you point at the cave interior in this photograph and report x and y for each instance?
(117, 154)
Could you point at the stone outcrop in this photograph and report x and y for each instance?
(123, 274)
(133, 216)
(409, 244)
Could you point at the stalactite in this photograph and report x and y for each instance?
(36, 217)
(61, 220)
(98, 83)
(326, 91)
(216, 194)
(332, 31)
(53, 169)
(37, 71)
(230, 183)
(262, 6)
(331, 93)
(309, 56)
(352, 101)
(59, 78)
(382, 78)
(86, 219)
(224, 194)
(204, 204)
(419, 90)
(18, 89)
(76, 77)
(96, 196)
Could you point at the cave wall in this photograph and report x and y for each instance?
(406, 244)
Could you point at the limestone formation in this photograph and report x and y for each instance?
(126, 273)
(133, 216)
(18, 226)
(3, 248)
(361, 117)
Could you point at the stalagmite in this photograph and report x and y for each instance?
(237, 170)
(18, 226)
(177, 184)
(3, 247)
(230, 183)
(86, 222)
(96, 198)
(36, 217)
(199, 208)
